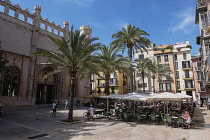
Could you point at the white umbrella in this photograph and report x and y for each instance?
(113, 96)
(165, 96)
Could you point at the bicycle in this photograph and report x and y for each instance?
(86, 115)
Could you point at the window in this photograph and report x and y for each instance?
(112, 90)
(184, 56)
(176, 65)
(186, 64)
(99, 90)
(177, 75)
(168, 86)
(11, 81)
(140, 85)
(189, 84)
(186, 73)
(159, 58)
(178, 84)
(199, 75)
(168, 77)
(160, 77)
(199, 65)
(175, 57)
(141, 56)
(167, 66)
(166, 58)
(201, 87)
(161, 86)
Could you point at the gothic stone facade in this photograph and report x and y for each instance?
(22, 33)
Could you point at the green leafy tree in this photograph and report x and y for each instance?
(109, 61)
(75, 55)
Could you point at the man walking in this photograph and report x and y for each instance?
(54, 106)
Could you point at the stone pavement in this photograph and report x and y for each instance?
(37, 123)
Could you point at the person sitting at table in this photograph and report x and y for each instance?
(183, 113)
(187, 119)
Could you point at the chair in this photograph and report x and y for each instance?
(190, 124)
(169, 120)
(139, 118)
(163, 120)
(126, 116)
(180, 122)
(153, 118)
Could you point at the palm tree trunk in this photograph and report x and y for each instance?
(72, 94)
(153, 85)
(131, 77)
(142, 74)
(107, 78)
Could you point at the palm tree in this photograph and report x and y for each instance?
(157, 69)
(132, 38)
(142, 66)
(109, 61)
(75, 55)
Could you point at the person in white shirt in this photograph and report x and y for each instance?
(66, 105)
(54, 106)
(91, 111)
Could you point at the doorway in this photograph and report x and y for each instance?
(44, 94)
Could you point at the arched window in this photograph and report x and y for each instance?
(11, 81)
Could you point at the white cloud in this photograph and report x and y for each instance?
(184, 21)
(80, 2)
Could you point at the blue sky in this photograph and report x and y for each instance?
(167, 21)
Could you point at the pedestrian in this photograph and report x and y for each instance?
(91, 111)
(66, 105)
(54, 106)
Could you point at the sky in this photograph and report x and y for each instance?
(167, 21)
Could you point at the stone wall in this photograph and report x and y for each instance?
(22, 33)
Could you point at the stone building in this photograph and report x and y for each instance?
(22, 33)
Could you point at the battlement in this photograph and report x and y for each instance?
(35, 19)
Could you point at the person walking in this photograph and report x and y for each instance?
(91, 111)
(66, 105)
(54, 106)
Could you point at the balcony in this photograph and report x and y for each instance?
(188, 78)
(189, 88)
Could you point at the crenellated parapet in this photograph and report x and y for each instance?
(35, 19)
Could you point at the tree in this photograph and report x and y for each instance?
(157, 69)
(109, 61)
(132, 38)
(75, 55)
(142, 66)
